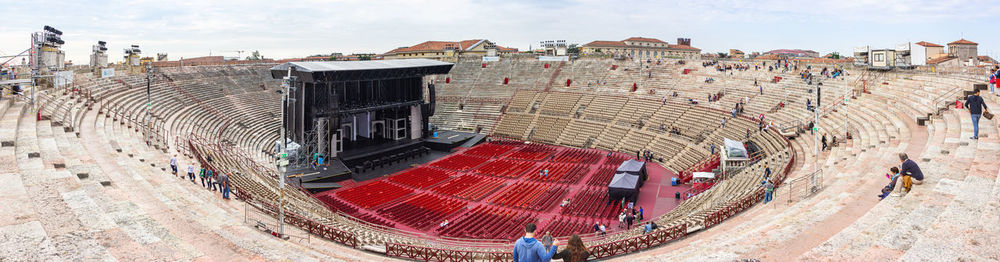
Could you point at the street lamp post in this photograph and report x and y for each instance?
(149, 103)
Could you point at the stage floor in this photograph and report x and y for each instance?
(656, 195)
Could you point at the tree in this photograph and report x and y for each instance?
(723, 55)
(255, 56)
(598, 50)
(573, 49)
(834, 55)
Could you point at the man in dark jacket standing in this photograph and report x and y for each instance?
(976, 106)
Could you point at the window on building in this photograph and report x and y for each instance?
(879, 57)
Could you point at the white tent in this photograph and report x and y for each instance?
(708, 175)
(735, 149)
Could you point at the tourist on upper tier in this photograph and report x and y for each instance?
(768, 190)
(191, 172)
(976, 107)
(201, 175)
(173, 165)
(444, 224)
(564, 203)
(723, 122)
(527, 249)
(210, 178)
(604, 229)
(824, 142)
(892, 182)
(597, 227)
(574, 251)
(224, 185)
(767, 171)
(640, 214)
(910, 172)
(994, 80)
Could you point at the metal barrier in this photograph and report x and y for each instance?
(439, 254)
(803, 187)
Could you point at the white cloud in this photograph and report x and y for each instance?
(299, 28)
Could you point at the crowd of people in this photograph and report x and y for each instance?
(209, 177)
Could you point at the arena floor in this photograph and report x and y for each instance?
(492, 183)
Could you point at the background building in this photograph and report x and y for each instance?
(931, 50)
(792, 53)
(736, 53)
(965, 51)
(643, 48)
(447, 50)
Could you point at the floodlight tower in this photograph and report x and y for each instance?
(99, 57)
(45, 55)
(132, 56)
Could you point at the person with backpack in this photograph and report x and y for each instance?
(977, 107)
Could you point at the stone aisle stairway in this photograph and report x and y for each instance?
(77, 198)
(847, 222)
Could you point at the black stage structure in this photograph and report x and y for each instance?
(358, 114)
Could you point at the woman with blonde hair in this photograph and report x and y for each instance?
(574, 252)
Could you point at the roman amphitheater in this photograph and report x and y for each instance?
(85, 173)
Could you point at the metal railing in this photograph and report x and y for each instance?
(802, 187)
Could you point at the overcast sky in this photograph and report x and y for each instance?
(284, 29)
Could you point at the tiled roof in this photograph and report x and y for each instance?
(683, 47)
(643, 39)
(928, 44)
(963, 42)
(437, 46)
(768, 57)
(605, 43)
(510, 49)
(939, 60)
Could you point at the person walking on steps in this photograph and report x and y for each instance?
(202, 175)
(824, 142)
(224, 185)
(976, 107)
(768, 190)
(173, 165)
(191, 172)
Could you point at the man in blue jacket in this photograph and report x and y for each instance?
(527, 249)
(976, 105)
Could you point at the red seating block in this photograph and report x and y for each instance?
(373, 194)
(504, 168)
(421, 177)
(459, 162)
(533, 152)
(489, 150)
(471, 187)
(423, 210)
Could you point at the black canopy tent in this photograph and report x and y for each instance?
(627, 180)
